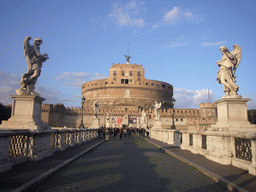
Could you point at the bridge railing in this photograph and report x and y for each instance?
(227, 148)
(22, 145)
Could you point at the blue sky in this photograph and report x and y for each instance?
(176, 42)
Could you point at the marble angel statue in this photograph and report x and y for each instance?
(228, 65)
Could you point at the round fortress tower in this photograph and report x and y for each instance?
(126, 87)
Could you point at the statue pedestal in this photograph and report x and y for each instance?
(157, 124)
(144, 125)
(26, 113)
(108, 125)
(95, 122)
(232, 115)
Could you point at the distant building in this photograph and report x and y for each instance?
(127, 87)
(124, 94)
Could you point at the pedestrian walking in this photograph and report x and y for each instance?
(125, 133)
(99, 133)
(121, 133)
(147, 132)
(115, 132)
(106, 134)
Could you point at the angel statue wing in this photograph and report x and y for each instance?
(237, 54)
(27, 48)
(26, 45)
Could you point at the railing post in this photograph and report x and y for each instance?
(252, 168)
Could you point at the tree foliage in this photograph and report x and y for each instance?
(5, 112)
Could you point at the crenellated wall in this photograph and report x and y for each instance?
(185, 119)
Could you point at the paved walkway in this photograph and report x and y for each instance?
(230, 176)
(23, 174)
(130, 164)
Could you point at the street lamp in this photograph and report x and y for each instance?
(82, 103)
(173, 102)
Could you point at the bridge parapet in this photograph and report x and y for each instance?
(21, 146)
(227, 148)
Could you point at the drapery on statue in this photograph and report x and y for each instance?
(157, 107)
(34, 62)
(96, 108)
(228, 65)
(107, 118)
(127, 58)
(143, 116)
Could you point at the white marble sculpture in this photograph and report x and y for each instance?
(157, 107)
(107, 118)
(228, 65)
(143, 117)
(34, 63)
(96, 108)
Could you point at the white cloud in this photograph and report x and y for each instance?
(252, 102)
(192, 99)
(172, 16)
(77, 79)
(213, 43)
(188, 14)
(125, 15)
(175, 43)
(178, 14)
(8, 84)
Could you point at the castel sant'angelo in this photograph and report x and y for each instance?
(123, 95)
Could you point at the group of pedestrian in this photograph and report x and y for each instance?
(104, 133)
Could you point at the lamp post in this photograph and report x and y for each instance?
(173, 102)
(82, 103)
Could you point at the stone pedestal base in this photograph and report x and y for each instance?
(26, 113)
(95, 123)
(232, 115)
(157, 124)
(144, 125)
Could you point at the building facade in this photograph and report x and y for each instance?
(127, 87)
(123, 95)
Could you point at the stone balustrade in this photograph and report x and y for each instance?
(20, 146)
(227, 148)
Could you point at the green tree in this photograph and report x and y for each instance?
(5, 112)
(252, 116)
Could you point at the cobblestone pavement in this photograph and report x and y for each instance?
(130, 164)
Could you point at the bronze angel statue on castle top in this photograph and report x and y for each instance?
(228, 65)
(34, 63)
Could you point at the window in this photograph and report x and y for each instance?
(130, 73)
(106, 82)
(114, 78)
(138, 73)
(139, 78)
(126, 81)
(123, 73)
(163, 85)
(114, 73)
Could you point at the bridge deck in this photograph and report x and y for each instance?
(131, 164)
